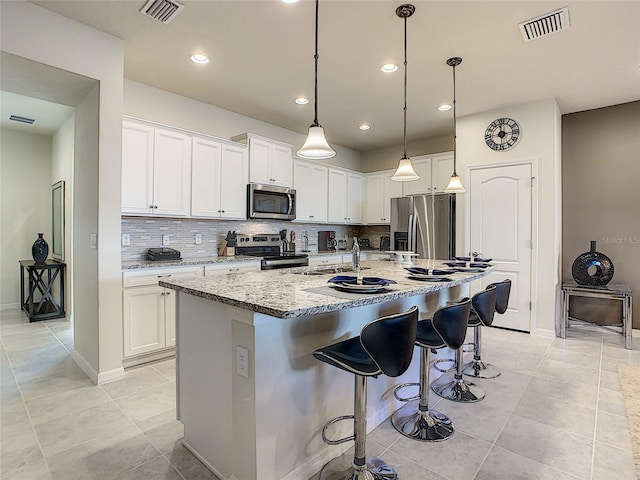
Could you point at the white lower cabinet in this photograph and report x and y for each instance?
(149, 314)
(329, 259)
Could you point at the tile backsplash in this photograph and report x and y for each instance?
(145, 232)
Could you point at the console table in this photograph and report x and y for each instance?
(41, 300)
(611, 291)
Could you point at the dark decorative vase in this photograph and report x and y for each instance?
(592, 268)
(40, 250)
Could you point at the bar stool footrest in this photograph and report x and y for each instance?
(329, 441)
(406, 385)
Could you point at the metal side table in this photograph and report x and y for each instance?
(40, 301)
(611, 291)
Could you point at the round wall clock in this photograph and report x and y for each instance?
(502, 134)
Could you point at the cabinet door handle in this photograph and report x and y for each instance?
(168, 293)
(150, 206)
(162, 294)
(234, 269)
(164, 276)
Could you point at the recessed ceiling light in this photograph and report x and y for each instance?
(301, 100)
(199, 58)
(364, 126)
(444, 107)
(389, 67)
(290, 1)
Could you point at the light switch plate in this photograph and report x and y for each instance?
(165, 239)
(198, 238)
(242, 361)
(126, 239)
(93, 241)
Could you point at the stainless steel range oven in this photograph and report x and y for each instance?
(268, 246)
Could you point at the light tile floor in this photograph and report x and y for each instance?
(555, 413)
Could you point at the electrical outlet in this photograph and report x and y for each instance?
(198, 238)
(242, 361)
(165, 239)
(126, 239)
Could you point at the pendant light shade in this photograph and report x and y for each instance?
(405, 171)
(316, 146)
(455, 184)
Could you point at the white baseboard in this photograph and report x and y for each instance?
(97, 378)
(111, 375)
(635, 333)
(148, 357)
(544, 332)
(85, 366)
(10, 306)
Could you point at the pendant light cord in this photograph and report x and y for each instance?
(455, 149)
(316, 56)
(405, 89)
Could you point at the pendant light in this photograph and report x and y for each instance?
(405, 171)
(316, 146)
(455, 184)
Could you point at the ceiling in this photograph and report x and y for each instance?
(262, 58)
(48, 116)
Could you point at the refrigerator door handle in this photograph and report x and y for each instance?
(413, 245)
(411, 234)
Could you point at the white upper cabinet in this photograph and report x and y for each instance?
(310, 182)
(219, 176)
(156, 170)
(355, 192)
(270, 162)
(345, 196)
(434, 172)
(379, 190)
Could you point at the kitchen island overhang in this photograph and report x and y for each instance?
(251, 396)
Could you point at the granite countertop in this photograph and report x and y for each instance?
(286, 294)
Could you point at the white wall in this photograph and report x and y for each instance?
(37, 34)
(541, 140)
(388, 158)
(62, 169)
(25, 199)
(149, 103)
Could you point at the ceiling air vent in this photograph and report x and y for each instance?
(546, 24)
(18, 118)
(162, 10)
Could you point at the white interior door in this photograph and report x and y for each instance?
(500, 220)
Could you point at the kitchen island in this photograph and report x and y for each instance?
(252, 398)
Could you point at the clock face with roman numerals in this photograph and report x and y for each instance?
(502, 134)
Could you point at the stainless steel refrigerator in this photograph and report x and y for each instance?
(424, 224)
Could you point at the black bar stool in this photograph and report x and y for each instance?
(448, 328)
(456, 389)
(477, 368)
(385, 346)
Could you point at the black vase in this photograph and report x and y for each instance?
(40, 249)
(592, 268)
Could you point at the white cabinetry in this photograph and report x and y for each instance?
(345, 196)
(270, 161)
(232, 267)
(329, 259)
(379, 190)
(156, 166)
(310, 182)
(434, 171)
(219, 177)
(150, 311)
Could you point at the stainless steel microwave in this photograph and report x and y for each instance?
(270, 201)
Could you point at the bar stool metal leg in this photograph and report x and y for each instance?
(457, 389)
(477, 368)
(414, 419)
(358, 466)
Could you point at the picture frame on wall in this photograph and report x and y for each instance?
(57, 221)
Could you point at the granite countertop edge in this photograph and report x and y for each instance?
(327, 304)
